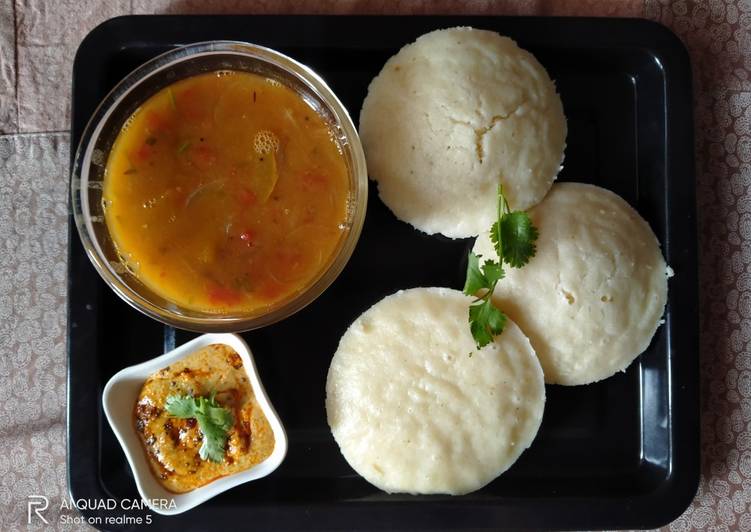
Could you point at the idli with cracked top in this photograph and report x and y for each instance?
(415, 407)
(453, 115)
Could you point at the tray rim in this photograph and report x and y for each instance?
(677, 490)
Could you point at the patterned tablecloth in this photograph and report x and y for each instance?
(38, 40)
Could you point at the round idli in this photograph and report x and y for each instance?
(451, 116)
(592, 297)
(416, 408)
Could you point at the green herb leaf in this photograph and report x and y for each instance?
(485, 322)
(479, 332)
(220, 417)
(476, 280)
(214, 439)
(214, 421)
(519, 236)
(183, 146)
(493, 272)
(182, 407)
(513, 237)
(495, 237)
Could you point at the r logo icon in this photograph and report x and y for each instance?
(38, 503)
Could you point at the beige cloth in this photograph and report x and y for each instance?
(38, 39)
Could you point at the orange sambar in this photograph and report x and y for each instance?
(226, 193)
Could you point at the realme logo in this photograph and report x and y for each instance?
(37, 503)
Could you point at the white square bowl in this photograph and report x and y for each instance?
(119, 399)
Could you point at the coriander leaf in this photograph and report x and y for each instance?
(480, 334)
(182, 407)
(220, 417)
(486, 321)
(214, 438)
(495, 238)
(214, 422)
(513, 237)
(493, 272)
(519, 236)
(476, 280)
(492, 317)
(183, 146)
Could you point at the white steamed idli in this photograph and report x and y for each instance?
(452, 115)
(416, 408)
(592, 297)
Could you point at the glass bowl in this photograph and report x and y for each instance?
(102, 130)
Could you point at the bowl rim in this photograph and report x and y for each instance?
(132, 446)
(167, 314)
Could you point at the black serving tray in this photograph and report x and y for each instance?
(623, 453)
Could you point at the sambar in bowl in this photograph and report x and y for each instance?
(220, 187)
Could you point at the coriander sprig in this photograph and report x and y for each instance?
(214, 421)
(513, 237)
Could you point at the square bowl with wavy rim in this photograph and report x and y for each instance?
(120, 395)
